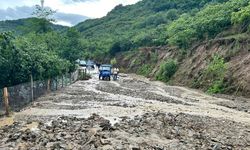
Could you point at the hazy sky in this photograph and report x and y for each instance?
(69, 12)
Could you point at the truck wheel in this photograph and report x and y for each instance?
(109, 78)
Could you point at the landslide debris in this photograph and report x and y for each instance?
(156, 131)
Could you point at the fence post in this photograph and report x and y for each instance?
(62, 81)
(65, 80)
(56, 83)
(84, 74)
(70, 78)
(79, 74)
(31, 87)
(6, 101)
(48, 85)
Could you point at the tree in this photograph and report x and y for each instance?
(205, 24)
(242, 17)
(44, 14)
(172, 14)
(72, 48)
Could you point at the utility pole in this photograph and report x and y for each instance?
(42, 3)
(32, 87)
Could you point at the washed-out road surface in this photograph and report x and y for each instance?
(131, 113)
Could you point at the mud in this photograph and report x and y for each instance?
(149, 131)
(131, 113)
(238, 103)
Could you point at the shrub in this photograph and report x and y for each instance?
(167, 70)
(217, 87)
(113, 61)
(215, 74)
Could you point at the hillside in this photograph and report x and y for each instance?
(134, 34)
(142, 24)
(217, 66)
(28, 25)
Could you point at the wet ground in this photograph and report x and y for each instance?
(131, 113)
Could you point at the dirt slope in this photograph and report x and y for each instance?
(235, 51)
(237, 57)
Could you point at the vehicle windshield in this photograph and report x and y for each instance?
(105, 68)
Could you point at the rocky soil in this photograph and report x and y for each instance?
(157, 131)
(131, 113)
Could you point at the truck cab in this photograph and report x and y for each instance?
(105, 72)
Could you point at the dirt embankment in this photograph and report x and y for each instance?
(235, 51)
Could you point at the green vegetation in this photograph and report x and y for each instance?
(242, 17)
(143, 24)
(43, 55)
(215, 74)
(205, 24)
(24, 26)
(29, 55)
(42, 52)
(167, 70)
(154, 23)
(113, 61)
(212, 78)
(145, 69)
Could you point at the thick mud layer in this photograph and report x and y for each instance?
(157, 131)
(131, 113)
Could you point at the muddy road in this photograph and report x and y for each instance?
(131, 113)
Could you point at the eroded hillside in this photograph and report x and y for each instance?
(191, 67)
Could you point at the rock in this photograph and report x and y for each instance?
(107, 147)
(216, 147)
(68, 136)
(53, 145)
(105, 124)
(105, 141)
(64, 146)
(22, 146)
(59, 137)
(14, 136)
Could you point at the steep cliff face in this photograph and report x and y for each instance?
(234, 50)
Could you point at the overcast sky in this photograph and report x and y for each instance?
(69, 12)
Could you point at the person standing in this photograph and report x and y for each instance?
(115, 73)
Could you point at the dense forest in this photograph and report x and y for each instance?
(37, 47)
